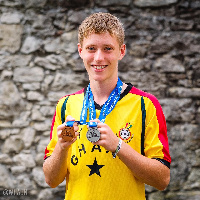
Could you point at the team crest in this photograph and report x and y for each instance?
(125, 133)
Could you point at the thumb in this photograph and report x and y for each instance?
(69, 118)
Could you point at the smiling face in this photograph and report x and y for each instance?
(100, 54)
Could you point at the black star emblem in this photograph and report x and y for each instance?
(95, 168)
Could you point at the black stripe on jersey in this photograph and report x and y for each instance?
(63, 110)
(143, 125)
(164, 162)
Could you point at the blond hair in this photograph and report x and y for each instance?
(101, 23)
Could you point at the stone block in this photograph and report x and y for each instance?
(54, 96)
(18, 169)
(13, 144)
(26, 160)
(5, 134)
(5, 124)
(45, 194)
(31, 86)
(184, 92)
(193, 181)
(180, 25)
(52, 45)
(39, 159)
(61, 80)
(138, 50)
(37, 115)
(178, 110)
(35, 96)
(66, 43)
(5, 159)
(24, 182)
(168, 64)
(10, 37)
(154, 3)
(11, 3)
(28, 136)
(35, 3)
(186, 195)
(51, 62)
(31, 44)
(185, 132)
(22, 120)
(13, 61)
(42, 126)
(5, 178)
(76, 16)
(9, 94)
(47, 110)
(38, 176)
(42, 145)
(6, 75)
(74, 4)
(113, 2)
(157, 195)
(11, 18)
(27, 74)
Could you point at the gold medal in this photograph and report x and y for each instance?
(68, 133)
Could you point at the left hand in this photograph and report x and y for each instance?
(108, 139)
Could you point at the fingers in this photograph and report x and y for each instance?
(96, 120)
(76, 128)
(69, 118)
(66, 140)
(107, 139)
(62, 126)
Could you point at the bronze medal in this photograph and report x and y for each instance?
(68, 133)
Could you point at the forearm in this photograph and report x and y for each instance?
(55, 167)
(149, 171)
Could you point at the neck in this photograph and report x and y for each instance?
(102, 90)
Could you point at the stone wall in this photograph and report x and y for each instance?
(39, 64)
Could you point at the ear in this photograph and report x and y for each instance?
(122, 51)
(79, 49)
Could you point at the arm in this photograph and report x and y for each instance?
(147, 170)
(55, 167)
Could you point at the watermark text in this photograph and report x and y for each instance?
(15, 192)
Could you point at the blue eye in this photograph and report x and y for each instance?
(90, 48)
(108, 48)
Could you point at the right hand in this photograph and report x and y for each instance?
(62, 143)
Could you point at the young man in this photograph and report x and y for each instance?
(119, 142)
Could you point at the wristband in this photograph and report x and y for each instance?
(118, 148)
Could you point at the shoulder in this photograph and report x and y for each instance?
(147, 96)
(151, 105)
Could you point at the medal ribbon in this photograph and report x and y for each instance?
(109, 105)
(88, 102)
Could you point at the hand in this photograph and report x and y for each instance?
(62, 143)
(108, 139)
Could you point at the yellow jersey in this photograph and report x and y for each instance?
(93, 174)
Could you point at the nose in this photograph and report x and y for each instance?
(98, 56)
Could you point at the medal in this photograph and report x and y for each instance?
(93, 134)
(68, 133)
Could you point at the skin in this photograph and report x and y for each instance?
(100, 54)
